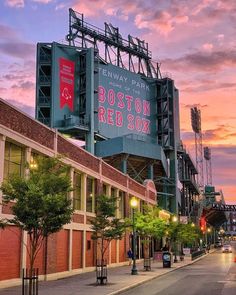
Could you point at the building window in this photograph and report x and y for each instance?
(113, 193)
(143, 205)
(33, 164)
(88, 245)
(121, 205)
(13, 160)
(104, 189)
(77, 199)
(90, 195)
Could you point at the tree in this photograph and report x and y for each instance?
(106, 227)
(188, 234)
(183, 234)
(149, 225)
(40, 201)
(2, 224)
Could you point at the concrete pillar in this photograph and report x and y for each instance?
(23, 249)
(83, 191)
(83, 207)
(108, 190)
(84, 250)
(70, 248)
(117, 251)
(72, 170)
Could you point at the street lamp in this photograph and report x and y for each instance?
(134, 204)
(175, 219)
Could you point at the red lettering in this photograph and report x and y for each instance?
(138, 105)
(101, 114)
(146, 107)
(119, 119)
(138, 123)
(130, 119)
(101, 94)
(129, 100)
(146, 126)
(111, 97)
(110, 113)
(120, 96)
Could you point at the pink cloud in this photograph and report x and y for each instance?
(120, 9)
(15, 3)
(42, 1)
(7, 33)
(204, 61)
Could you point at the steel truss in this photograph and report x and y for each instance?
(132, 54)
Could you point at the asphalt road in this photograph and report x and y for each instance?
(215, 274)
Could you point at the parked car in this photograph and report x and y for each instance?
(226, 249)
(218, 245)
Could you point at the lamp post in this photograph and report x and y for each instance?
(133, 204)
(175, 219)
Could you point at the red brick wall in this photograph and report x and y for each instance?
(52, 254)
(62, 250)
(112, 173)
(122, 250)
(152, 196)
(39, 260)
(77, 154)
(25, 125)
(7, 208)
(77, 247)
(113, 251)
(10, 251)
(78, 218)
(137, 187)
(89, 252)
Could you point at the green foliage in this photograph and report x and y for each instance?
(106, 227)
(187, 234)
(2, 224)
(183, 233)
(41, 205)
(148, 224)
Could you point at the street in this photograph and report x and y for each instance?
(213, 275)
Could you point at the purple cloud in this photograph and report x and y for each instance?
(20, 50)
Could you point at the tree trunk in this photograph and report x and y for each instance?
(46, 259)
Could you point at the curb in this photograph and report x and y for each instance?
(154, 277)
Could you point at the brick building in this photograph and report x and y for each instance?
(71, 250)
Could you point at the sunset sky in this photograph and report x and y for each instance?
(194, 41)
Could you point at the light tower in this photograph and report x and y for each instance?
(197, 129)
(207, 157)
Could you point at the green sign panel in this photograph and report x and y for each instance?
(126, 103)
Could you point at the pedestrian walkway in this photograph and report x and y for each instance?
(119, 280)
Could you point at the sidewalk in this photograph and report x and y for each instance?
(119, 280)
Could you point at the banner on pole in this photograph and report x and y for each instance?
(67, 77)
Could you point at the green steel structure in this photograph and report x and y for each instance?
(107, 92)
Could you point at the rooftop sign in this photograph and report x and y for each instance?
(223, 207)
